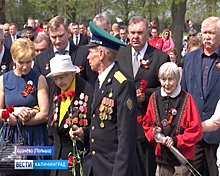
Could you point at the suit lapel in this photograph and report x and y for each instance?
(214, 78)
(127, 57)
(72, 52)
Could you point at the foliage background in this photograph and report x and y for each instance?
(171, 14)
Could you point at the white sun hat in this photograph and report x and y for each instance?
(61, 64)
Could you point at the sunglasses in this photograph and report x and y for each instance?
(167, 33)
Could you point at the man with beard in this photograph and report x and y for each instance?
(200, 78)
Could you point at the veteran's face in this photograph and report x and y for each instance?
(138, 35)
(168, 84)
(64, 81)
(94, 59)
(59, 38)
(210, 36)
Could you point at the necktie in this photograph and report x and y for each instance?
(62, 52)
(135, 63)
(76, 39)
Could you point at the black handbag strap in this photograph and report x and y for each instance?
(21, 139)
(10, 133)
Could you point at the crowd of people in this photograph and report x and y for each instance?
(94, 77)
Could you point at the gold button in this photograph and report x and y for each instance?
(92, 140)
(93, 152)
(93, 115)
(93, 127)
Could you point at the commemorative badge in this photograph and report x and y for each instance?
(145, 63)
(47, 66)
(217, 65)
(172, 112)
(3, 67)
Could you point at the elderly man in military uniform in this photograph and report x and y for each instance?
(113, 130)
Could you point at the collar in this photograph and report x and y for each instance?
(66, 49)
(174, 94)
(142, 51)
(104, 74)
(217, 52)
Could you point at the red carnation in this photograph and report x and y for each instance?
(62, 97)
(70, 93)
(5, 115)
(10, 108)
(70, 161)
(143, 86)
(139, 119)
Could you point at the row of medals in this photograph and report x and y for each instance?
(105, 109)
(81, 104)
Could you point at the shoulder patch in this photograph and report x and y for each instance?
(129, 104)
(119, 77)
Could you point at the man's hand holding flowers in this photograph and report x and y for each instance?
(140, 93)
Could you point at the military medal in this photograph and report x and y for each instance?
(65, 126)
(102, 125)
(110, 94)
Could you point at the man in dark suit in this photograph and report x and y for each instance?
(13, 35)
(76, 37)
(5, 56)
(112, 134)
(142, 61)
(58, 32)
(124, 35)
(201, 78)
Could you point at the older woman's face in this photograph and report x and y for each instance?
(23, 66)
(168, 84)
(64, 81)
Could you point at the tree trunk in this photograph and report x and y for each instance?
(2, 12)
(178, 13)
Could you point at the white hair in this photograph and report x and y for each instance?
(169, 68)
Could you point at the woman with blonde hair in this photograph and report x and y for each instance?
(167, 41)
(26, 90)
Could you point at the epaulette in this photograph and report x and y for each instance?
(119, 77)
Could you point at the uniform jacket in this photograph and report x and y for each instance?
(62, 142)
(112, 148)
(79, 58)
(156, 58)
(192, 82)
